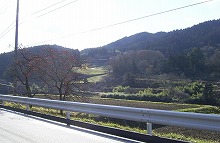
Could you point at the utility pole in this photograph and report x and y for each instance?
(16, 48)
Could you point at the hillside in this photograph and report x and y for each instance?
(6, 58)
(174, 42)
(176, 46)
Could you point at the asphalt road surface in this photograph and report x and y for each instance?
(19, 128)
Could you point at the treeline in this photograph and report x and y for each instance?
(195, 63)
(137, 62)
(198, 62)
(5, 60)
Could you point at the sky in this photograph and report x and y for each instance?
(80, 24)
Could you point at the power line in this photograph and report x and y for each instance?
(10, 28)
(6, 30)
(155, 14)
(57, 8)
(123, 22)
(48, 7)
(51, 10)
(3, 11)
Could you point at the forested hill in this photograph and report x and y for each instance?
(174, 46)
(174, 42)
(6, 58)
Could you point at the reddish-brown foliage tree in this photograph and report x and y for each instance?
(58, 69)
(24, 70)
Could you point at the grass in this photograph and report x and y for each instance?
(95, 79)
(184, 138)
(141, 104)
(155, 132)
(93, 71)
(206, 109)
(97, 73)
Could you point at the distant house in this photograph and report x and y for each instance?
(5, 87)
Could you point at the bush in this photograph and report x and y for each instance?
(120, 88)
(195, 92)
(201, 93)
(147, 91)
(145, 95)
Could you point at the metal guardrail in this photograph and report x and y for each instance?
(163, 117)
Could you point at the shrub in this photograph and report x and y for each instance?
(147, 91)
(120, 88)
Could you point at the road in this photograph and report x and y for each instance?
(19, 128)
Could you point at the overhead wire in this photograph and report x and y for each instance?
(57, 8)
(123, 22)
(53, 5)
(48, 7)
(9, 28)
(3, 11)
(3, 33)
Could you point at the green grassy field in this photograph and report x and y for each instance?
(96, 73)
(93, 70)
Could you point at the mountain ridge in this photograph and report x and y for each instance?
(206, 34)
(176, 41)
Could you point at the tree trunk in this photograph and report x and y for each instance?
(61, 111)
(28, 89)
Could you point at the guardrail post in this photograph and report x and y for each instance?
(27, 107)
(149, 129)
(3, 103)
(68, 117)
